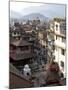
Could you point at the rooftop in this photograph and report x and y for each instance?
(59, 19)
(20, 42)
(15, 71)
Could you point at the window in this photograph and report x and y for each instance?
(62, 51)
(62, 64)
(63, 39)
(56, 37)
(56, 27)
(18, 33)
(14, 32)
(63, 26)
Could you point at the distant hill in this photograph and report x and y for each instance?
(33, 16)
(46, 11)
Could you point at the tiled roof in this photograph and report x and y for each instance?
(20, 42)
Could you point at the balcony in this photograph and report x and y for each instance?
(60, 44)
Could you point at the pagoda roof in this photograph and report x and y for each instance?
(21, 42)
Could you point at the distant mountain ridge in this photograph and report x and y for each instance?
(33, 16)
(47, 11)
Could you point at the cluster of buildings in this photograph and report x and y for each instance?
(35, 42)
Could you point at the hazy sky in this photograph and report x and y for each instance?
(19, 6)
(50, 10)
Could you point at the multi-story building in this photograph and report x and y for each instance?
(21, 53)
(58, 33)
